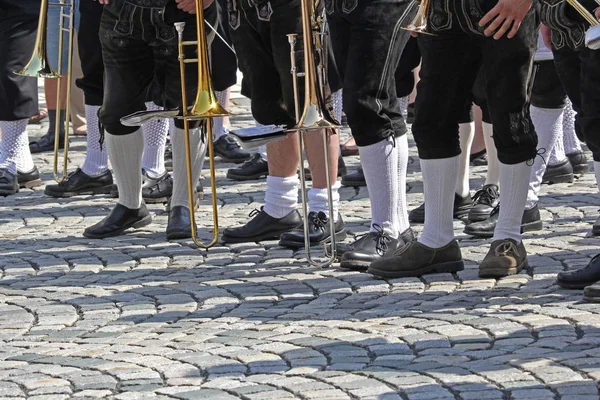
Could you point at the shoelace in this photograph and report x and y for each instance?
(506, 248)
(485, 195)
(255, 212)
(540, 153)
(592, 260)
(257, 157)
(382, 239)
(495, 210)
(317, 221)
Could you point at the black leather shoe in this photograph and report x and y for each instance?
(229, 150)
(262, 227)
(319, 231)
(78, 183)
(29, 179)
(8, 183)
(462, 205)
(156, 190)
(374, 246)
(596, 227)
(356, 179)
(592, 293)
(579, 162)
(341, 169)
(531, 221)
(559, 173)
(255, 168)
(46, 143)
(484, 201)
(118, 221)
(580, 278)
(179, 226)
(415, 259)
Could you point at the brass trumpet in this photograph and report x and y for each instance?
(39, 67)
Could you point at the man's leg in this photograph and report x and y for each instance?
(18, 101)
(128, 78)
(507, 64)
(449, 61)
(93, 177)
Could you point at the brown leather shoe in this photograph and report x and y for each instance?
(505, 257)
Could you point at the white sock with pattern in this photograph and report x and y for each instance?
(96, 156)
(466, 133)
(514, 180)
(155, 140)
(493, 172)
(180, 176)
(14, 150)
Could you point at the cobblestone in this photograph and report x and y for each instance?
(136, 317)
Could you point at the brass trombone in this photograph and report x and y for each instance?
(420, 21)
(315, 114)
(592, 36)
(39, 67)
(205, 108)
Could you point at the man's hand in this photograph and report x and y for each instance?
(546, 35)
(505, 17)
(103, 1)
(189, 6)
(597, 12)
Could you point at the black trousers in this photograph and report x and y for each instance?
(90, 53)
(579, 72)
(18, 28)
(451, 61)
(547, 90)
(367, 44)
(223, 60)
(139, 48)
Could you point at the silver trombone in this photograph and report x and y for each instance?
(39, 67)
(315, 114)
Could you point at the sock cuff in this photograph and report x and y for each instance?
(283, 183)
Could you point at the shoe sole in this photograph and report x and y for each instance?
(567, 178)
(529, 227)
(574, 286)
(264, 236)
(452, 266)
(177, 235)
(355, 265)
(31, 184)
(147, 220)
(580, 169)
(591, 299)
(501, 273)
(459, 214)
(341, 235)
(231, 160)
(246, 177)
(354, 183)
(5, 193)
(90, 191)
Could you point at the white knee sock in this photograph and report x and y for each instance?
(198, 151)
(514, 179)
(317, 200)
(466, 133)
(404, 106)
(155, 139)
(96, 157)
(493, 172)
(14, 150)
(570, 140)
(337, 101)
(218, 123)
(439, 182)
(548, 125)
(125, 152)
(380, 165)
(281, 196)
(402, 214)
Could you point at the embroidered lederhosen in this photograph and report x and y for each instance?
(568, 28)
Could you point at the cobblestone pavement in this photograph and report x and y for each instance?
(139, 317)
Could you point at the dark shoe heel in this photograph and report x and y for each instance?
(147, 220)
(532, 226)
(453, 266)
